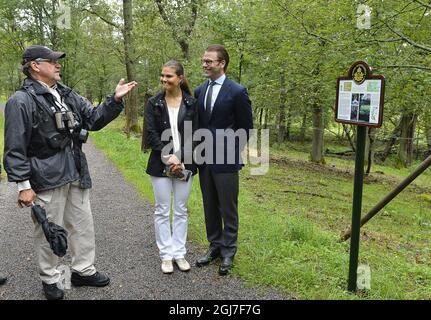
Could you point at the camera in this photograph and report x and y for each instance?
(67, 121)
(82, 135)
(183, 174)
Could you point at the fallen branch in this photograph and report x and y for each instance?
(341, 153)
(307, 193)
(388, 198)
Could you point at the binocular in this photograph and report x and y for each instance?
(67, 121)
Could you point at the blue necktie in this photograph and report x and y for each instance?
(209, 97)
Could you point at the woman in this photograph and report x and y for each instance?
(172, 112)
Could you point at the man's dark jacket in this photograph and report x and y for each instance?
(29, 119)
(232, 110)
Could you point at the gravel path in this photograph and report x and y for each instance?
(125, 249)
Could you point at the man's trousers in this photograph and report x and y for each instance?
(69, 207)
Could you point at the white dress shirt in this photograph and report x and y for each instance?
(173, 120)
(216, 90)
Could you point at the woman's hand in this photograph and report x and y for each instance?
(176, 168)
(172, 159)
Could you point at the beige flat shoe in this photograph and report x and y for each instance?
(182, 264)
(167, 266)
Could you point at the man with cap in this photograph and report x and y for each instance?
(46, 124)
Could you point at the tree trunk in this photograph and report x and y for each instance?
(405, 151)
(393, 138)
(261, 118)
(367, 145)
(132, 101)
(417, 148)
(54, 32)
(41, 26)
(265, 123)
(184, 45)
(241, 61)
(288, 123)
(144, 145)
(318, 127)
(369, 151)
(428, 137)
(303, 127)
(348, 136)
(281, 119)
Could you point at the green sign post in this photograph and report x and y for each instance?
(359, 102)
(357, 206)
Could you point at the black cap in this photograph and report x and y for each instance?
(34, 52)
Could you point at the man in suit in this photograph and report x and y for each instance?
(222, 104)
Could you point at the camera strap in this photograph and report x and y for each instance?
(57, 100)
(39, 101)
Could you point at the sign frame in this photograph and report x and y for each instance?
(359, 79)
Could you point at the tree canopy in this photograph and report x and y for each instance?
(287, 53)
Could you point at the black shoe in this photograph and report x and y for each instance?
(225, 266)
(209, 256)
(2, 280)
(52, 292)
(96, 280)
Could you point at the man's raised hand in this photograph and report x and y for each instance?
(123, 88)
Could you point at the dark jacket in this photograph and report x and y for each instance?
(232, 110)
(157, 121)
(29, 121)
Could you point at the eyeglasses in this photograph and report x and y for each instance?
(209, 62)
(51, 61)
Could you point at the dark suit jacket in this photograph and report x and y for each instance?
(232, 110)
(157, 120)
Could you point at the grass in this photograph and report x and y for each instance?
(291, 220)
(303, 209)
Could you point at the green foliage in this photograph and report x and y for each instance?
(310, 43)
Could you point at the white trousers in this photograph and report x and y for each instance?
(171, 241)
(67, 206)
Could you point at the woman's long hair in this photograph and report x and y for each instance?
(179, 71)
